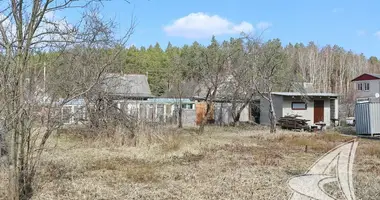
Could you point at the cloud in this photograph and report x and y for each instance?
(201, 25)
(338, 10)
(361, 32)
(263, 25)
(377, 34)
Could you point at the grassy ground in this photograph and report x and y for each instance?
(223, 163)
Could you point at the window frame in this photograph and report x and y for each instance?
(298, 102)
(188, 106)
(360, 86)
(365, 87)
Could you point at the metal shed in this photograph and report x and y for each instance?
(367, 117)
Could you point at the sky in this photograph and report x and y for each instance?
(353, 25)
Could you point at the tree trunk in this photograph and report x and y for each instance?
(233, 114)
(272, 115)
(236, 119)
(205, 118)
(180, 125)
(236, 116)
(209, 99)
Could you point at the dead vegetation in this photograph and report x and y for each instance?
(165, 163)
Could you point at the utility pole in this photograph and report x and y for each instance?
(44, 93)
(44, 77)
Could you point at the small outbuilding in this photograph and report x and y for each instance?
(367, 116)
(367, 107)
(318, 108)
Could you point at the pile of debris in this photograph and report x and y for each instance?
(293, 122)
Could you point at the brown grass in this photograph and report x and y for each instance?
(166, 163)
(131, 170)
(372, 150)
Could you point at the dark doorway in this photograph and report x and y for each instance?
(319, 106)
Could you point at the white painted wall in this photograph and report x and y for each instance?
(374, 87)
(306, 114)
(227, 112)
(264, 109)
(327, 109)
(244, 115)
(336, 109)
(309, 112)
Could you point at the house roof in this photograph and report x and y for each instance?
(129, 85)
(367, 76)
(76, 102)
(72, 102)
(169, 100)
(290, 94)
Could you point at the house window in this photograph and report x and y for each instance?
(360, 86)
(188, 106)
(299, 106)
(366, 86)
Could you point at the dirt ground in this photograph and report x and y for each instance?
(223, 163)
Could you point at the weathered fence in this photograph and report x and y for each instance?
(161, 110)
(158, 112)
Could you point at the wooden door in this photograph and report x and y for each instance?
(319, 111)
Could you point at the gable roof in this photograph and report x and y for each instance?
(366, 76)
(305, 94)
(129, 85)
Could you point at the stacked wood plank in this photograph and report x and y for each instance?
(293, 122)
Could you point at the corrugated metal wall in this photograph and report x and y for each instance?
(367, 118)
(374, 113)
(362, 118)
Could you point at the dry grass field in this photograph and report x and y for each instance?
(223, 163)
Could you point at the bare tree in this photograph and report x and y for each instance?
(27, 27)
(240, 89)
(270, 75)
(213, 73)
(180, 86)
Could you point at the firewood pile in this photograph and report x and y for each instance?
(293, 122)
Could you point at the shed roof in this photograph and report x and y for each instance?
(305, 94)
(367, 76)
(129, 85)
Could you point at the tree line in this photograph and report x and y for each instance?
(329, 68)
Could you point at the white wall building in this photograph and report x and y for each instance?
(316, 107)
